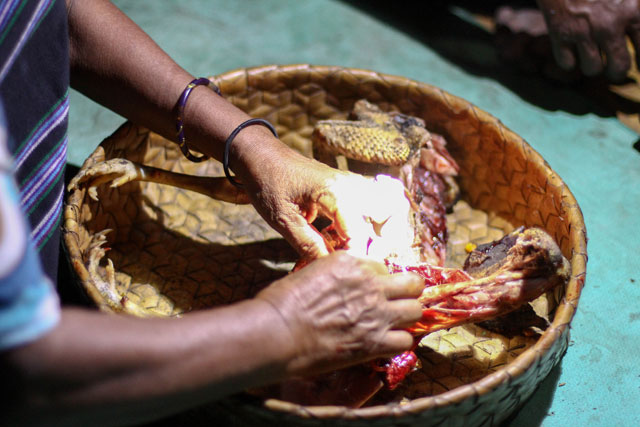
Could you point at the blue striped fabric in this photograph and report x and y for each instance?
(34, 93)
(59, 112)
(9, 15)
(34, 89)
(29, 306)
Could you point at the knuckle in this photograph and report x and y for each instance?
(350, 267)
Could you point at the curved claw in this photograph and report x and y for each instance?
(96, 252)
(116, 171)
(107, 285)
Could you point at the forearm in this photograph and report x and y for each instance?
(106, 368)
(118, 65)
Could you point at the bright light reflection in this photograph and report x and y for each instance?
(385, 230)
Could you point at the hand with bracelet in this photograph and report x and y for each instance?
(85, 367)
(290, 191)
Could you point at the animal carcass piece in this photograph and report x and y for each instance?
(497, 278)
(398, 145)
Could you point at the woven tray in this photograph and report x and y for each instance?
(175, 251)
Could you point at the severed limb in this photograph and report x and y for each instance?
(498, 278)
(122, 171)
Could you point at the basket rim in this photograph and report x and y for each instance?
(558, 329)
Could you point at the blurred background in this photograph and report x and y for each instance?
(587, 129)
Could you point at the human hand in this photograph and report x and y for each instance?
(291, 191)
(343, 310)
(591, 28)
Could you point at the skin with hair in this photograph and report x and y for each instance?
(340, 310)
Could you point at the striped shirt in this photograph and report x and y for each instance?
(34, 94)
(34, 82)
(29, 305)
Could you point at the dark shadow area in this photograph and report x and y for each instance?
(224, 413)
(450, 29)
(533, 412)
(69, 288)
(192, 274)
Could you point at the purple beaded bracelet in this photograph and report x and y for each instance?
(182, 102)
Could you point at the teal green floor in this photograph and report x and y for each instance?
(598, 381)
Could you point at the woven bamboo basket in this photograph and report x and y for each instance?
(175, 251)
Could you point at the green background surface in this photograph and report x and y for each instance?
(598, 380)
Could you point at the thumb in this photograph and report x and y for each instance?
(306, 239)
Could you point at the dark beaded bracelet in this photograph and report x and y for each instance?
(182, 102)
(227, 144)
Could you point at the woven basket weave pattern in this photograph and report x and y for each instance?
(500, 175)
